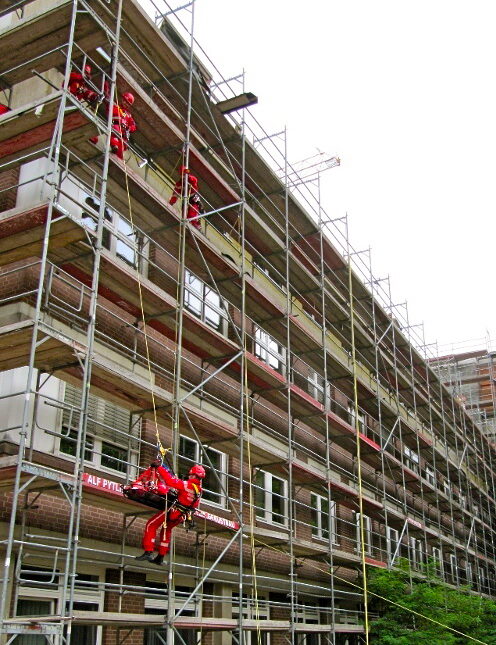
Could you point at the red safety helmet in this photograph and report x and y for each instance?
(128, 97)
(198, 471)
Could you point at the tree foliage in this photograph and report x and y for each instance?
(425, 610)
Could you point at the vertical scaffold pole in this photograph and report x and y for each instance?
(176, 412)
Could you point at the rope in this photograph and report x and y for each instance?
(358, 453)
(161, 450)
(392, 602)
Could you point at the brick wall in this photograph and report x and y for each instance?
(131, 603)
(8, 188)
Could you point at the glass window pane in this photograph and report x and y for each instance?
(125, 252)
(193, 303)
(114, 457)
(212, 317)
(259, 488)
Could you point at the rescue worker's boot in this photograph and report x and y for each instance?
(158, 560)
(146, 556)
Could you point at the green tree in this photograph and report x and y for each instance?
(423, 610)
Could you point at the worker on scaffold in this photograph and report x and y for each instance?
(123, 124)
(78, 85)
(195, 207)
(188, 500)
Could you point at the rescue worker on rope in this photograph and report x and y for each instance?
(189, 493)
(123, 125)
(78, 85)
(195, 207)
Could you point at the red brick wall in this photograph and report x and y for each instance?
(8, 180)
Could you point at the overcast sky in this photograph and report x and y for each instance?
(404, 93)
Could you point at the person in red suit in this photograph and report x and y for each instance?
(78, 85)
(188, 500)
(123, 125)
(3, 109)
(195, 207)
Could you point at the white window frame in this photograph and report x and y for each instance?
(266, 511)
(204, 302)
(118, 234)
(437, 556)
(416, 553)
(482, 579)
(469, 573)
(325, 522)
(430, 475)
(362, 424)
(319, 389)
(392, 542)
(453, 561)
(95, 443)
(268, 350)
(367, 530)
(412, 458)
(221, 472)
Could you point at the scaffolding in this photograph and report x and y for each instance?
(260, 344)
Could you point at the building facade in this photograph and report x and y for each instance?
(257, 343)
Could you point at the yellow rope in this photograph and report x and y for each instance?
(163, 451)
(392, 602)
(252, 511)
(358, 453)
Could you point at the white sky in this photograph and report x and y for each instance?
(404, 92)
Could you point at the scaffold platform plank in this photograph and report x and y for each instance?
(43, 36)
(22, 233)
(117, 619)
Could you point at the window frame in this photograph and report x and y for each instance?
(221, 472)
(319, 388)
(101, 408)
(202, 294)
(113, 234)
(318, 530)
(390, 550)
(274, 357)
(266, 513)
(367, 533)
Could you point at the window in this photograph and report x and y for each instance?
(118, 235)
(323, 522)
(203, 302)
(392, 537)
(271, 497)
(111, 439)
(190, 454)
(437, 556)
(68, 443)
(252, 609)
(367, 532)
(453, 561)
(268, 350)
(32, 607)
(468, 573)
(411, 458)
(416, 553)
(317, 389)
(482, 579)
(84, 634)
(430, 475)
(362, 426)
